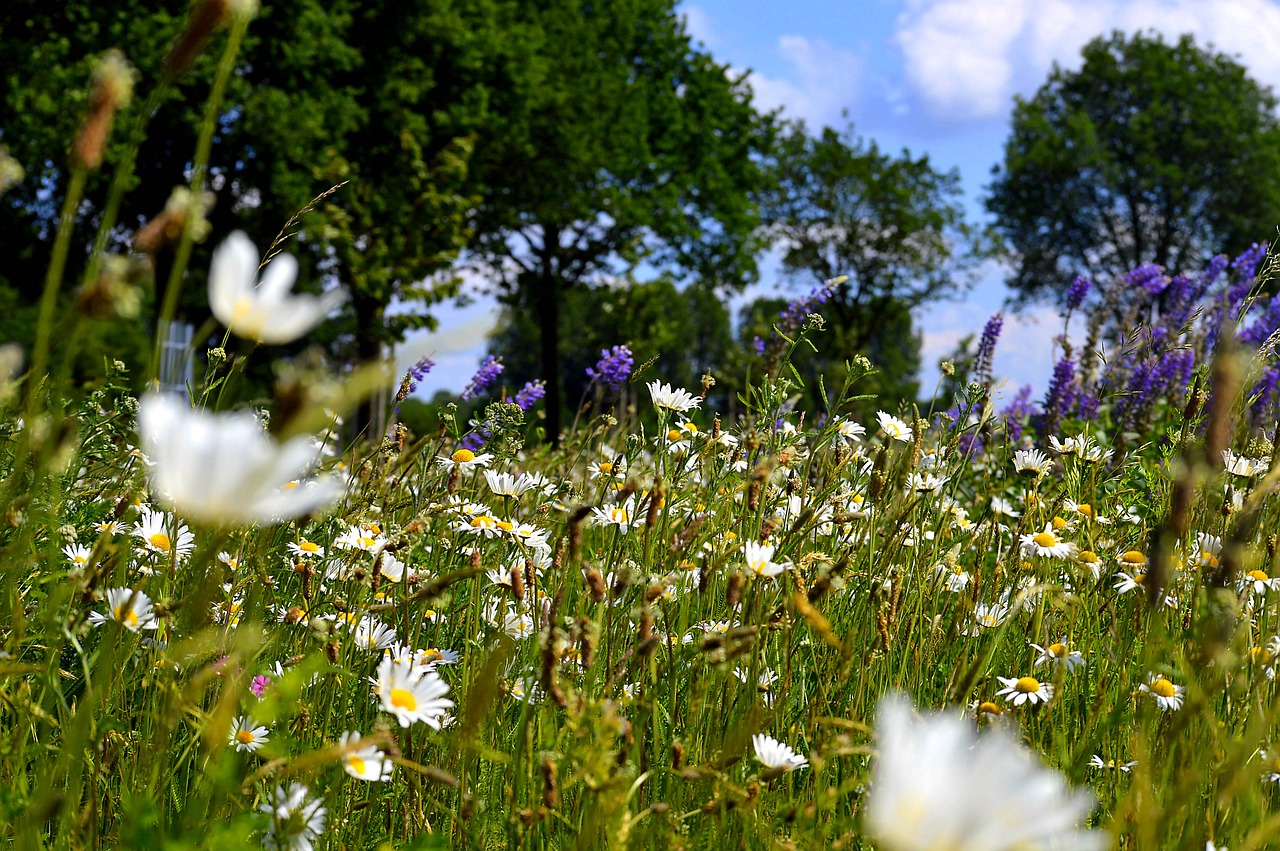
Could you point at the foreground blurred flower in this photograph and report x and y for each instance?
(222, 468)
(131, 609)
(296, 820)
(938, 784)
(776, 756)
(268, 312)
(412, 694)
(366, 763)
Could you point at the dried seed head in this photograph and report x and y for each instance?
(596, 582)
(550, 794)
(733, 594)
(517, 582)
(332, 651)
(111, 89)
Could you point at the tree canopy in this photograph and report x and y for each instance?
(1150, 153)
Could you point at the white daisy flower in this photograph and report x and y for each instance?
(1031, 461)
(131, 609)
(776, 756)
(464, 460)
(849, 431)
(302, 548)
(77, 554)
(893, 427)
(1260, 582)
(224, 468)
(268, 312)
(678, 400)
(926, 482)
(161, 534)
(1047, 544)
(1246, 468)
(412, 694)
(366, 763)
(1110, 764)
(505, 484)
(297, 820)
(1167, 694)
(759, 559)
(1020, 690)
(371, 634)
(245, 736)
(938, 783)
(1059, 653)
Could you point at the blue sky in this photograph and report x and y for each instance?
(933, 76)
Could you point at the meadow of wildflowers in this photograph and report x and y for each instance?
(1019, 619)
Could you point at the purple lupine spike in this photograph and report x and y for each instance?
(530, 393)
(489, 369)
(1149, 277)
(1266, 392)
(757, 345)
(1015, 414)
(419, 371)
(1264, 326)
(1078, 291)
(1087, 407)
(987, 345)
(613, 369)
(1058, 400)
(1246, 265)
(794, 314)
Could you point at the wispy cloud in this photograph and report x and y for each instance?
(820, 82)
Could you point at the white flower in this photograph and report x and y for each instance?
(77, 554)
(1239, 465)
(366, 763)
(302, 548)
(505, 484)
(1110, 764)
(1031, 461)
(1020, 690)
(678, 400)
(894, 427)
(987, 616)
(296, 820)
(131, 609)
(937, 783)
(464, 460)
(1059, 654)
(926, 482)
(1168, 695)
(412, 694)
(850, 431)
(759, 559)
(224, 469)
(776, 756)
(246, 737)
(269, 312)
(1047, 544)
(161, 534)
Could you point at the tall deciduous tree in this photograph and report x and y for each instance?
(1150, 153)
(837, 205)
(633, 148)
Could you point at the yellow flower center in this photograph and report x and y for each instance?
(1209, 559)
(1259, 576)
(674, 434)
(288, 486)
(505, 525)
(431, 654)
(606, 467)
(1058, 523)
(1058, 651)
(403, 699)
(1088, 556)
(244, 737)
(366, 541)
(129, 617)
(1085, 508)
(1045, 539)
(1163, 687)
(1027, 685)
(80, 559)
(374, 528)
(462, 456)
(1133, 557)
(356, 763)
(989, 708)
(1261, 655)
(308, 547)
(160, 541)
(483, 521)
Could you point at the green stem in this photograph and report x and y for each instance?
(53, 283)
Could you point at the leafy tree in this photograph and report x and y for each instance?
(632, 147)
(1150, 153)
(894, 224)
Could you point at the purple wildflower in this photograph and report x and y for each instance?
(1246, 265)
(530, 393)
(1058, 401)
(795, 312)
(1264, 326)
(1016, 412)
(613, 369)
(419, 371)
(259, 685)
(476, 440)
(757, 345)
(987, 346)
(1078, 291)
(489, 369)
(1150, 277)
(1266, 392)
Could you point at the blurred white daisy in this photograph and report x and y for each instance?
(366, 763)
(224, 469)
(268, 312)
(937, 783)
(759, 558)
(1168, 695)
(1059, 653)
(131, 609)
(297, 820)
(776, 756)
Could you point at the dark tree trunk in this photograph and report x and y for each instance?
(546, 296)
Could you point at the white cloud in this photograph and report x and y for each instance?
(965, 59)
(698, 23)
(820, 82)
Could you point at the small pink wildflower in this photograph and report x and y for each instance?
(259, 685)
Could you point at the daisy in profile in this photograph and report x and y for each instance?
(1059, 653)
(776, 757)
(367, 537)
(161, 534)
(297, 820)
(1047, 544)
(926, 482)
(267, 312)
(1090, 560)
(224, 469)
(364, 763)
(464, 460)
(849, 431)
(987, 616)
(1245, 468)
(505, 484)
(77, 554)
(412, 694)
(760, 561)
(1032, 461)
(938, 783)
(1168, 695)
(245, 736)
(623, 516)
(372, 634)
(131, 609)
(894, 428)
(678, 400)
(1259, 582)
(1020, 690)
(1110, 764)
